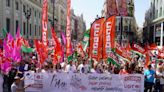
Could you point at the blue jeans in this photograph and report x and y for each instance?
(148, 86)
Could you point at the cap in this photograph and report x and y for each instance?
(16, 77)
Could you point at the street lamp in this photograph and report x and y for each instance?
(27, 15)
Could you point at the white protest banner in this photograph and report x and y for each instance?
(63, 82)
(35, 80)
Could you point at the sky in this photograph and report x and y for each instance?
(91, 8)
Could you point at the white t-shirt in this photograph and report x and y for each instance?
(14, 87)
(79, 68)
(1, 83)
(160, 74)
(86, 68)
(70, 69)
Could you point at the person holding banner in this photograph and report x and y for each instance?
(124, 70)
(58, 68)
(149, 79)
(15, 85)
(70, 68)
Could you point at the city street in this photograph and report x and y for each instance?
(81, 45)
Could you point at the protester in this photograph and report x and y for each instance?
(15, 85)
(70, 68)
(93, 67)
(149, 79)
(83, 65)
(159, 79)
(58, 68)
(13, 72)
(86, 66)
(124, 70)
(80, 67)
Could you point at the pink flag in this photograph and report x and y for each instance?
(63, 38)
(18, 33)
(16, 54)
(7, 52)
(9, 37)
(6, 67)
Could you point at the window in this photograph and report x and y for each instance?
(17, 5)
(39, 31)
(39, 15)
(8, 24)
(30, 9)
(160, 12)
(156, 14)
(24, 28)
(16, 25)
(35, 13)
(35, 30)
(8, 3)
(30, 29)
(24, 8)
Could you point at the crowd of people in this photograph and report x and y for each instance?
(13, 81)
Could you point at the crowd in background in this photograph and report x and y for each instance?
(154, 75)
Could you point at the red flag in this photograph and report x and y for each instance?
(138, 48)
(96, 39)
(151, 47)
(108, 36)
(57, 48)
(44, 22)
(161, 53)
(68, 29)
(119, 49)
(80, 50)
(124, 51)
(41, 50)
(147, 60)
(18, 41)
(25, 42)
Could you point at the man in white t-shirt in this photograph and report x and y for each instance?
(70, 68)
(15, 85)
(86, 66)
(160, 76)
(80, 68)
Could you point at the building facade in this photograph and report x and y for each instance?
(154, 23)
(125, 21)
(61, 13)
(73, 27)
(81, 27)
(12, 14)
(116, 7)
